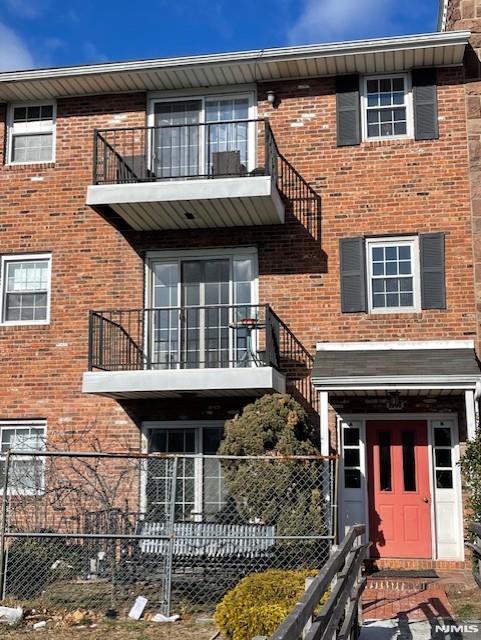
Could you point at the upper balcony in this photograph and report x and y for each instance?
(215, 174)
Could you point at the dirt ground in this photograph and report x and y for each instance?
(466, 604)
(116, 630)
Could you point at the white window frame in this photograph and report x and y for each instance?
(24, 424)
(198, 426)
(408, 104)
(413, 241)
(11, 133)
(3, 281)
(203, 98)
(179, 256)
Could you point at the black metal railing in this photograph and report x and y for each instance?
(229, 148)
(215, 336)
(220, 149)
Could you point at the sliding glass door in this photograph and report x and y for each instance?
(202, 137)
(177, 139)
(197, 308)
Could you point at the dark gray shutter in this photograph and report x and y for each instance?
(433, 287)
(353, 275)
(425, 100)
(348, 110)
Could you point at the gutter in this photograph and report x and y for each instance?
(442, 15)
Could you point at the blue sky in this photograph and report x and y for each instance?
(40, 33)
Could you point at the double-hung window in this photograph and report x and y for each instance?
(387, 107)
(25, 284)
(25, 474)
(32, 133)
(393, 274)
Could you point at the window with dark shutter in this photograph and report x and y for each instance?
(348, 110)
(433, 287)
(425, 102)
(353, 275)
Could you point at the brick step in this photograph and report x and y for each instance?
(400, 584)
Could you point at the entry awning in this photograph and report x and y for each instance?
(443, 365)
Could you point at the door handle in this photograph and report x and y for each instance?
(426, 500)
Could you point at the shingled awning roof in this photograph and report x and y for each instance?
(450, 364)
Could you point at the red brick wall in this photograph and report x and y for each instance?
(375, 188)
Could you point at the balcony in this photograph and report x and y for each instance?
(201, 351)
(193, 176)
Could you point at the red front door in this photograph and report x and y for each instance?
(399, 494)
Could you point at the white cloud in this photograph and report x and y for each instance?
(27, 8)
(92, 53)
(14, 53)
(331, 20)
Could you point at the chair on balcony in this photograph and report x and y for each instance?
(134, 169)
(227, 163)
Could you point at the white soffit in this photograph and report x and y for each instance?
(261, 65)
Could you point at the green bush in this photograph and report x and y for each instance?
(272, 424)
(34, 563)
(285, 493)
(259, 603)
(471, 468)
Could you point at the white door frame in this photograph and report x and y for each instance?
(430, 418)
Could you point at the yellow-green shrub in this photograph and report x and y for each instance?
(259, 603)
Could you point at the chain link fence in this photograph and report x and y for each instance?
(95, 530)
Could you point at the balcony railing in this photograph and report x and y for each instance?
(213, 150)
(217, 336)
(176, 152)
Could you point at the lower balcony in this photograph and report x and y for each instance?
(201, 351)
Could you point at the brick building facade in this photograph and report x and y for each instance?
(388, 189)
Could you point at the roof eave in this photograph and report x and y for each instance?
(262, 65)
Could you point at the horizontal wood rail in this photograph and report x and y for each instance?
(341, 578)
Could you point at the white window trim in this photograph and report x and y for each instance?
(198, 426)
(390, 240)
(19, 258)
(153, 257)
(24, 424)
(53, 103)
(203, 98)
(189, 254)
(409, 107)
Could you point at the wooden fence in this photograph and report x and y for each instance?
(342, 581)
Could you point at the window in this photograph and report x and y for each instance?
(393, 275)
(443, 459)
(25, 476)
(200, 491)
(25, 289)
(409, 460)
(352, 457)
(385, 471)
(32, 133)
(387, 111)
